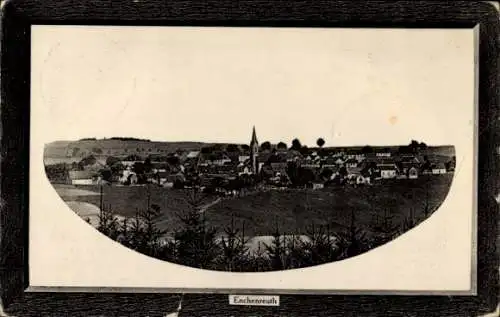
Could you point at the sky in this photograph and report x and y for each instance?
(348, 86)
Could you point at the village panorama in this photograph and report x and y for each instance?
(252, 206)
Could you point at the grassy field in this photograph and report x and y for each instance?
(128, 200)
(292, 210)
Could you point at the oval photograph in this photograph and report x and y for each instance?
(249, 207)
(254, 149)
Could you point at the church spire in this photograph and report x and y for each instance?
(254, 138)
(254, 152)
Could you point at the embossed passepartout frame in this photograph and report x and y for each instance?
(19, 16)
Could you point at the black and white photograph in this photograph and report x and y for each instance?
(250, 207)
(249, 159)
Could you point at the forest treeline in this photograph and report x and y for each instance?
(198, 244)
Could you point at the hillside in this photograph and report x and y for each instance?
(106, 147)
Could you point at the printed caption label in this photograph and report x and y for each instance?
(254, 300)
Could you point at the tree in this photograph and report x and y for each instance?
(75, 151)
(281, 146)
(108, 223)
(197, 243)
(277, 251)
(106, 174)
(150, 244)
(125, 237)
(136, 232)
(173, 160)
(296, 145)
(245, 147)
(319, 246)
(385, 228)
(138, 168)
(367, 149)
(326, 173)
(304, 150)
(352, 241)
(234, 247)
(320, 142)
(148, 166)
(232, 148)
(266, 146)
(88, 160)
(133, 157)
(111, 160)
(117, 168)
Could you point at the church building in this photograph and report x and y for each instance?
(254, 153)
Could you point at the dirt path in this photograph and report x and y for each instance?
(208, 205)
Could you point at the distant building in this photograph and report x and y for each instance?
(317, 185)
(388, 172)
(193, 154)
(351, 163)
(83, 177)
(413, 173)
(254, 152)
(243, 158)
(438, 169)
(360, 157)
(159, 178)
(159, 167)
(362, 180)
(128, 177)
(130, 163)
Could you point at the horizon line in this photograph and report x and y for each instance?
(242, 143)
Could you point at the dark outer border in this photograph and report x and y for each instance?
(15, 96)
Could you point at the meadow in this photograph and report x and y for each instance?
(292, 211)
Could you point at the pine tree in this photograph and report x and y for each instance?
(108, 223)
(352, 241)
(319, 245)
(276, 251)
(196, 241)
(234, 247)
(151, 236)
(136, 232)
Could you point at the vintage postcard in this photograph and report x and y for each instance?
(253, 160)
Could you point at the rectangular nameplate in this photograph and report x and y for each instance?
(254, 300)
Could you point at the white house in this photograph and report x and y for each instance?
(412, 173)
(318, 185)
(243, 158)
(388, 172)
(82, 177)
(360, 157)
(128, 175)
(361, 180)
(130, 163)
(383, 154)
(193, 154)
(351, 163)
(438, 169)
(245, 171)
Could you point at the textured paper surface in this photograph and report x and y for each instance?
(352, 86)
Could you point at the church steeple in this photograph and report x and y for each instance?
(254, 152)
(254, 141)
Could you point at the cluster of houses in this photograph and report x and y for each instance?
(223, 168)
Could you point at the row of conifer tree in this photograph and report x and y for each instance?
(198, 244)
